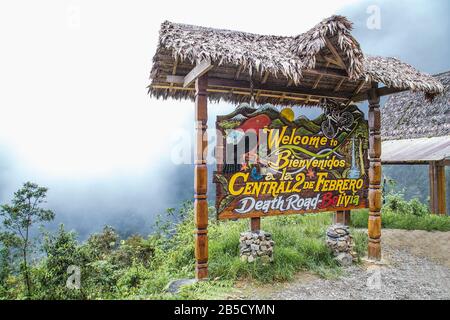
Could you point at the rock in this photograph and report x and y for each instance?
(256, 247)
(175, 285)
(344, 259)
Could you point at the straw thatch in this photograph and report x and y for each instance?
(278, 62)
(409, 115)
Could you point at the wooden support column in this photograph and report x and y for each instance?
(255, 224)
(375, 193)
(433, 187)
(437, 188)
(441, 192)
(201, 179)
(342, 217)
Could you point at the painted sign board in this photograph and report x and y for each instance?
(271, 163)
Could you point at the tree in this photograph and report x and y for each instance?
(19, 217)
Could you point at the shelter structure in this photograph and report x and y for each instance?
(417, 131)
(206, 64)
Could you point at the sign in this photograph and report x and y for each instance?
(271, 163)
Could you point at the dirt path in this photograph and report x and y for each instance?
(432, 245)
(416, 265)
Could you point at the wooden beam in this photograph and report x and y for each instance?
(201, 179)
(438, 203)
(243, 93)
(174, 69)
(175, 79)
(199, 70)
(320, 77)
(255, 225)
(329, 72)
(238, 73)
(331, 60)
(243, 84)
(335, 53)
(381, 92)
(360, 86)
(264, 80)
(375, 193)
(336, 89)
(342, 217)
(266, 76)
(441, 192)
(432, 178)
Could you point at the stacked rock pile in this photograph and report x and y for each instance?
(340, 242)
(256, 246)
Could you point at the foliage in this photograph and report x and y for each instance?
(398, 213)
(141, 268)
(18, 219)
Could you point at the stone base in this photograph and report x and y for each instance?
(256, 247)
(340, 243)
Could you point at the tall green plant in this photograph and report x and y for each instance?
(18, 219)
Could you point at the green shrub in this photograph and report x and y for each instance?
(394, 220)
(141, 268)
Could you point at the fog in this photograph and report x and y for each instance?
(75, 115)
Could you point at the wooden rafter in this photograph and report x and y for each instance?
(266, 76)
(335, 53)
(199, 70)
(360, 86)
(319, 78)
(336, 89)
(329, 72)
(381, 92)
(243, 84)
(264, 80)
(174, 69)
(331, 60)
(272, 94)
(238, 72)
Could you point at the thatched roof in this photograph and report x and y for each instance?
(409, 115)
(325, 59)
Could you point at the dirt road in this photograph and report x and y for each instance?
(416, 265)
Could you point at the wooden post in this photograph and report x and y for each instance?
(201, 179)
(433, 187)
(438, 194)
(255, 224)
(375, 193)
(342, 217)
(441, 192)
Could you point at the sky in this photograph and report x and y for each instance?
(75, 114)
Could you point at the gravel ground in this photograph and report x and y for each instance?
(403, 277)
(415, 266)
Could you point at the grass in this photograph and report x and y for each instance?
(398, 213)
(299, 245)
(394, 220)
(141, 268)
